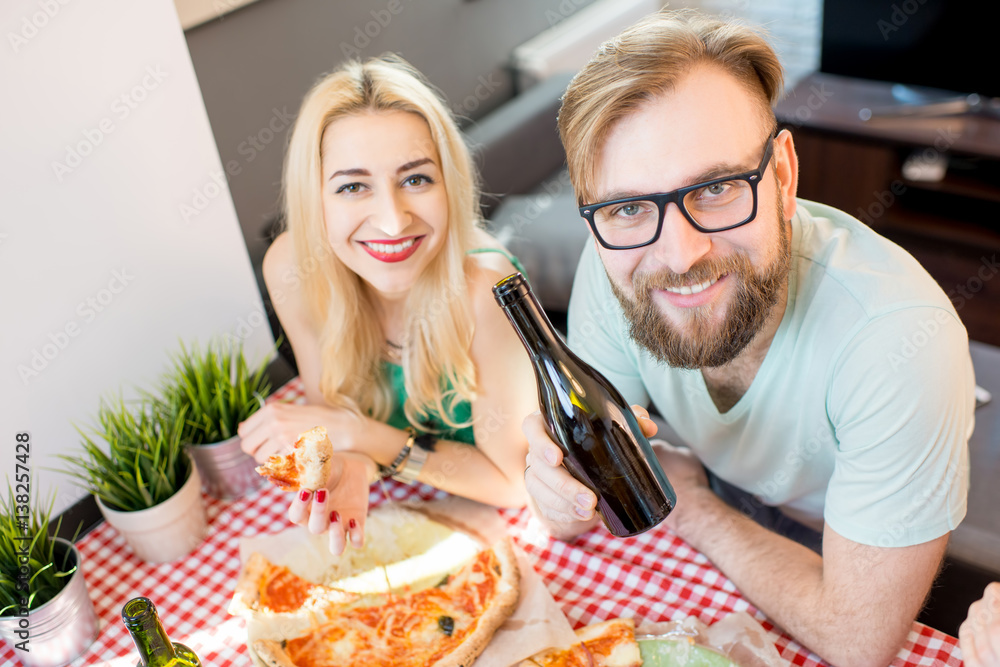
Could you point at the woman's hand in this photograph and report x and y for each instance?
(275, 427)
(341, 507)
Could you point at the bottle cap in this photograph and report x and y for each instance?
(511, 289)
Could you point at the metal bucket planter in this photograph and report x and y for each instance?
(227, 472)
(60, 630)
(167, 531)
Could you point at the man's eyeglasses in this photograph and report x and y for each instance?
(713, 206)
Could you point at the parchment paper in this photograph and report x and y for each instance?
(536, 624)
(738, 636)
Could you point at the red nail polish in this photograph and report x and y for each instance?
(352, 524)
(321, 496)
(304, 495)
(334, 516)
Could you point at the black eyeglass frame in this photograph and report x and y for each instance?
(677, 197)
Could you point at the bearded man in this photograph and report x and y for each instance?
(826, 459)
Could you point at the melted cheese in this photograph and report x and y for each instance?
(405, 630)
(281, 591)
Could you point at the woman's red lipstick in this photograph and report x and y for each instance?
(392, 250)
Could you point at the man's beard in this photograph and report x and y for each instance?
(704, 345)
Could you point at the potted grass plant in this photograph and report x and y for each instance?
(146, 485)
(215, 389)
(45, 609)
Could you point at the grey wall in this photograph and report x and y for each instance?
(255, 64)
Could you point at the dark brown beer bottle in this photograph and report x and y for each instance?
(602, 444)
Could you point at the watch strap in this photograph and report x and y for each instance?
(411, 467)
(401, 458)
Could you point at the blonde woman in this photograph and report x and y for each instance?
(382, 283)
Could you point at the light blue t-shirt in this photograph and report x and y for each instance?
(861, 412)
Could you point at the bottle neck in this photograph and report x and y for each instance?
(149, 636)
(533, 326)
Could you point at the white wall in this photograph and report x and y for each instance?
(117, 232)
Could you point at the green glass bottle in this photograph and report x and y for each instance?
(155, 648)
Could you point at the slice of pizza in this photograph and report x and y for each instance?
(607, 644)
(266, 588)
(307, 466)
(447, 625)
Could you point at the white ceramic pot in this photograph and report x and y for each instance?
(227, 472)
(60, 630)
(167, 531)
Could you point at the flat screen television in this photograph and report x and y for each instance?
(951, 45)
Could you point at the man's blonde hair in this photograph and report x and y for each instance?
(438, 319)
(647, 60)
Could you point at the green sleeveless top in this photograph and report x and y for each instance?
(506, 253)
(462, 411)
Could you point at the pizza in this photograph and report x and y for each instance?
(266, 588)
(440, 626)
(307, 466)
(606, 644)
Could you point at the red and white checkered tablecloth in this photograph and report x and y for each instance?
(652, 577)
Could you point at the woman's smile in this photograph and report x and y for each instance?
(392, 250)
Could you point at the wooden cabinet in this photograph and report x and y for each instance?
(950, 224)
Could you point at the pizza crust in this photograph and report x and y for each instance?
(624, 654)
(272, 653)
(501, 607)
(306, 467)
(246, 597)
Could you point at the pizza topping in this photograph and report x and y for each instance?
(606, 644)
(282, 591)
(417, 628)
(281, 471)
(307, 466)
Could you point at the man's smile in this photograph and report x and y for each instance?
(693, 296)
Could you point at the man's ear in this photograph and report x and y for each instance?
(786, 166)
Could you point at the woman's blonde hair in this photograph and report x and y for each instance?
(438, 322)
(647, 60)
